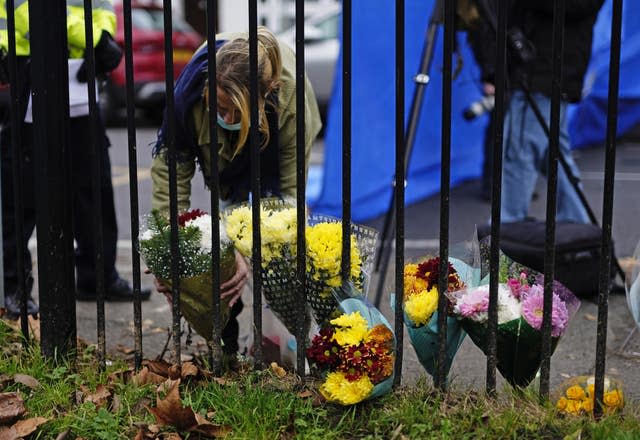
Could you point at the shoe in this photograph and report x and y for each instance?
(12, 306)
(119, 290)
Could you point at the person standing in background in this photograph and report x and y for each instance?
(107, 56)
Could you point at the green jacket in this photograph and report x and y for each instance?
(287, 140)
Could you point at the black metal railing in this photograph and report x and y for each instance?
(55, 257)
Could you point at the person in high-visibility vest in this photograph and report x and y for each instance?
(107, 57)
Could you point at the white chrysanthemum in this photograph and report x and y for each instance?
(203, 223)
(508, 306)
(147, 235)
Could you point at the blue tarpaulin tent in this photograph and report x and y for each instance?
(373, 98)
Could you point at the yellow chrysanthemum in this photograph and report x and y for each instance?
(613, 399)
(561, 404)
(575, 392)
(420, 307)
(591, 390)
(277, 229)
(338, 389)
(324, 251)
(350, 329)
(587, 404)
(573, 406)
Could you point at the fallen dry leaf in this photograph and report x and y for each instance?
(278, 370)
(158, 367)
(174, 372)
(145, 376)
(172, 436)
(207, 428)
(221, 381)
(116, 403)
(8, 433)
(305, 394)
(590, 317)
(25, 427)
(189, 370)
(124, 349)
(169, 411)
(11, 407)
(26, 380)
(100, 397)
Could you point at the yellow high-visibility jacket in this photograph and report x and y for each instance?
(104, 19)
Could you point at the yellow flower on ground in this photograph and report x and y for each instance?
(587, 404)
(350, 329)
(419, 307)
(575, 392)
(338, 389)
(591, 390)
(561, 404)
(613, 399)
(573, 406)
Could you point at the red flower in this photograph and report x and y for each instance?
(430, 270)
(324, 350)
(190, 215)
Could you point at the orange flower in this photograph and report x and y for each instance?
(575, 392)
(561, 404)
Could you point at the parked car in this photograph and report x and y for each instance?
(147, 23)
(321, 49)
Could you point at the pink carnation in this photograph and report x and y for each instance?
(519, 286)
(532, 307)
(473, 303)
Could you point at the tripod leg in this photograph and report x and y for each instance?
(421, 80)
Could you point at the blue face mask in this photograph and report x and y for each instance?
(230, 127)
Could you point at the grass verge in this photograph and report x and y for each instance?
(78, 400)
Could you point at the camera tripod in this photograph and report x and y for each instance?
(422, 79)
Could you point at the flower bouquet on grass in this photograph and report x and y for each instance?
(278, 220)
(576, 396)
(520, 302)
(355, 351)
(324, 258)
(194, 264)
(421, 311)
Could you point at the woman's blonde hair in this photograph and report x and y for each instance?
(232, 77)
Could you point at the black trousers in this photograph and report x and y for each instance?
(82, 204)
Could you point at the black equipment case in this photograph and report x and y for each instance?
(577, 259)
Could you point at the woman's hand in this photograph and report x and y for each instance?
(234, 285)
(230, 288)
(161, 288)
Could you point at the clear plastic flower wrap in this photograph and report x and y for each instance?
(194, 264)
(278, 226)
(632, 285)
(520, 302)
(324, 258)
(355, 351)
(576, 396)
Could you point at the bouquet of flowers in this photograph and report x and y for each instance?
(421, 311)
(278, 220)
(324, 258)
(576, 396)
(194, 264)
(520, 305)
(632, 284)
(355, 351)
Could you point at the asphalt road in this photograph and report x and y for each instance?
(576, 351)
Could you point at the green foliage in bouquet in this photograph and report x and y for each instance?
(194, 265)
(155, 247)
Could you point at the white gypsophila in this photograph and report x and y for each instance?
(147, 235)
(508, 306)
(203, 223)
